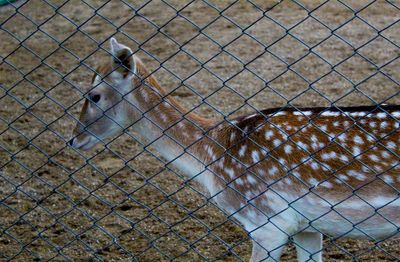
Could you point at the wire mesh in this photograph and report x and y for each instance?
(220, 59)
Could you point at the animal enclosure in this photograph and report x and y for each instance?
(220, 59)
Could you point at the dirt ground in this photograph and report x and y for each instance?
(220, 57)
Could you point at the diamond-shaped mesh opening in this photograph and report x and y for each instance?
(359, 34)
(371, 14)
(304, 29)
(369, 51)
(212, 31)
(198, 12)
(332, 14)
(334, 169)
(277, 13)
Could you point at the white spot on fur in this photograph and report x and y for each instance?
(323, 128)
(326, 184)
(296, 174)
(312, 181)
(233, 136)
(261, 172)
(330, 155)
(230, 172)
(365, 169)
(305, 159)
(284, 136)
(388, 179)
(282, 162)
(287, 181)
(302, 145)
(242, 150)
(239, 181)
(356, 151)
(342, 137)
(269, 134)
(314, 138)
(356, 175)
(396, 114)
(391, 145)
(221, 162)
(338, 181)
(251, 179)
(385, 154)
(381, 115)
(358, 140)
(210, 152)
(326, 167)
(273, 170)
(330, 113)
(288, 149)
(333, 154)
(256, 156)
(344, 158)
(314, 165)
(325, 156)
(277, 142)
(384, 124)
(395, 165)
(281, 113)
(374, 157)
(378, 168)
(358, 114)
(370, 138)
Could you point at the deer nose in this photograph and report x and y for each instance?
(71, 142)
(94, 97)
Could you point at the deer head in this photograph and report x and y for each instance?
(109, 102)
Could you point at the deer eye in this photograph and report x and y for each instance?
(95, 98)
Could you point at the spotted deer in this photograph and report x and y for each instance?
(285, 174)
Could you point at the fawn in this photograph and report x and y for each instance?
(284, 174)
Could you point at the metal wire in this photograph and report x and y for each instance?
(67, 215)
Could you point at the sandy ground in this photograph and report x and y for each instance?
(123, 202)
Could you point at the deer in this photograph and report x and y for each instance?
(286, 174)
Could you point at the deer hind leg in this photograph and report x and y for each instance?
(308, 246)
(268, 243)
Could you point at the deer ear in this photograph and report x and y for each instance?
(123, 60)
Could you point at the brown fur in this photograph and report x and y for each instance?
(150, 79)
(325, 160)
(300, 129)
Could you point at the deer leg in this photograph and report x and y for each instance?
(308, 246)
(268, 243)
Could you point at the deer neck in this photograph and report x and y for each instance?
(166, 125)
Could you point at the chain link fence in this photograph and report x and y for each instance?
(220, 59)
